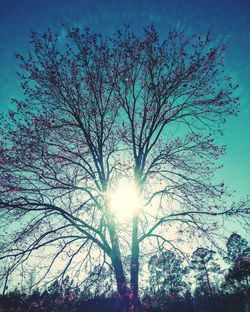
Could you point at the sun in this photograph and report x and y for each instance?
(124, 199)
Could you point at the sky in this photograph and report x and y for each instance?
(228, 19)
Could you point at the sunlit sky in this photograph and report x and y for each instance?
(228, 19)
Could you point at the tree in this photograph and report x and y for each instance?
(240, 271)
(98, 109)
(203, 266)
(166, 274)
(237, 247)
(238, 255)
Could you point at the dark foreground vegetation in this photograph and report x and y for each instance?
(51, 302)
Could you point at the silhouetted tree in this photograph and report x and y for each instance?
(166, 275)
(237, 247)
(238, 255)
(203, 265)
(97, 109)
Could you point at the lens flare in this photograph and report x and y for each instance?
(125, 199)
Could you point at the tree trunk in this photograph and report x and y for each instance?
(134, 268)
(119, 274)
(121, 282)
(5, 287)
(208, 280)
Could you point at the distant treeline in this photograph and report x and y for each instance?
(199, 285)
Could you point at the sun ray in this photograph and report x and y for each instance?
(124, 199)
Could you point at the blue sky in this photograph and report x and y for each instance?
(229, 21)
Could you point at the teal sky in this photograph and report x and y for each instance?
(228, 19)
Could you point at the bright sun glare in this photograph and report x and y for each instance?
(125, 199)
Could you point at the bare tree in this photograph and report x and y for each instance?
(100, 108)
(238, 256)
